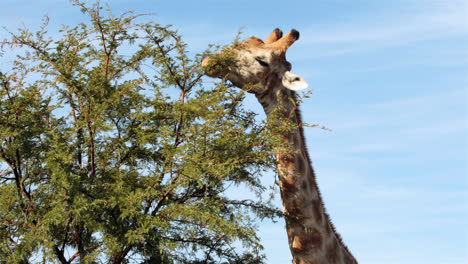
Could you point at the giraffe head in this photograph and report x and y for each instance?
(257, 65)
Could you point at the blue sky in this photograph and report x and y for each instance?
(390, 78)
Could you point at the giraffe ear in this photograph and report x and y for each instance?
(294, 82)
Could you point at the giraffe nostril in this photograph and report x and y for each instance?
(296, 79)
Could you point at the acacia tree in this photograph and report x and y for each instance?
(113, 151)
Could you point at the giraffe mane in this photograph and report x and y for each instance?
(298, 114)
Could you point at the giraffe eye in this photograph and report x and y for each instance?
(262, 62)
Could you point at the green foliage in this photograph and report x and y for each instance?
(112, 151)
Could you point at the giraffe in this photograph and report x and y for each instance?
(261, 66)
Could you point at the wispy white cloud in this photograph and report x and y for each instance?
(388, 30)
(415, 136)
(444, 108)
(428, 100)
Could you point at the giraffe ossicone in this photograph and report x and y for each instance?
(261, 68)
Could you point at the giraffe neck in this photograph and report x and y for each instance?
(311, 235)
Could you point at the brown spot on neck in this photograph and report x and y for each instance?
(307, 240)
